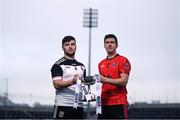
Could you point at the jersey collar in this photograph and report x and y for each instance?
(112, 57)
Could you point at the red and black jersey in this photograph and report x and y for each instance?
(112, 68)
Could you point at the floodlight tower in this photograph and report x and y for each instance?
(90, 21)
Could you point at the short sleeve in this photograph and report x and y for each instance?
(56, 70)
(125, 66)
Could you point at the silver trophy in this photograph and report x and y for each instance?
(87, 82)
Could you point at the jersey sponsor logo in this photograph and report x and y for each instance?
(114, 64)
(66, 68)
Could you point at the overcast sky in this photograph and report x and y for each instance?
(148, 33)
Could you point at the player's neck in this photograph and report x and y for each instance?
(69, 57)
(111, 55)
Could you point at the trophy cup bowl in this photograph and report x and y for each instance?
(89, 80)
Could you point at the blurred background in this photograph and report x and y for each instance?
(31, 31)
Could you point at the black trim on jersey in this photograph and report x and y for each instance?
(56, 70)
(112, 57)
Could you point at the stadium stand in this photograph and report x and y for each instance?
(154, 111)
(9, 110)
(26, 112)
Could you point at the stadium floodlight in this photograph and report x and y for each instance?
(90, 21)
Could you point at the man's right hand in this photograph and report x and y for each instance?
(75, 77)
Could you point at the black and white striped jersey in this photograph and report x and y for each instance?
(65, 69)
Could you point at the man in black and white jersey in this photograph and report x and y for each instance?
(65, 73)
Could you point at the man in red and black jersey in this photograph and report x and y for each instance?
(114, 72)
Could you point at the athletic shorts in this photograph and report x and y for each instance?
(63, 112)
(113, 112)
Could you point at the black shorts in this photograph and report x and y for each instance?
(63, 112)
(113, 112)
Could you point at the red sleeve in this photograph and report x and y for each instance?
(124, 66)
(99, 68)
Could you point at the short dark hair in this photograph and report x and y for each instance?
(111, 36)
(67, 39)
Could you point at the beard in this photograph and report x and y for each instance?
(70, 54)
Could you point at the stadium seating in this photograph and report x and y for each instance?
(149, 111)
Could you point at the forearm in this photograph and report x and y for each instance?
(63, 84)
(122, 81)
(117, 82)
